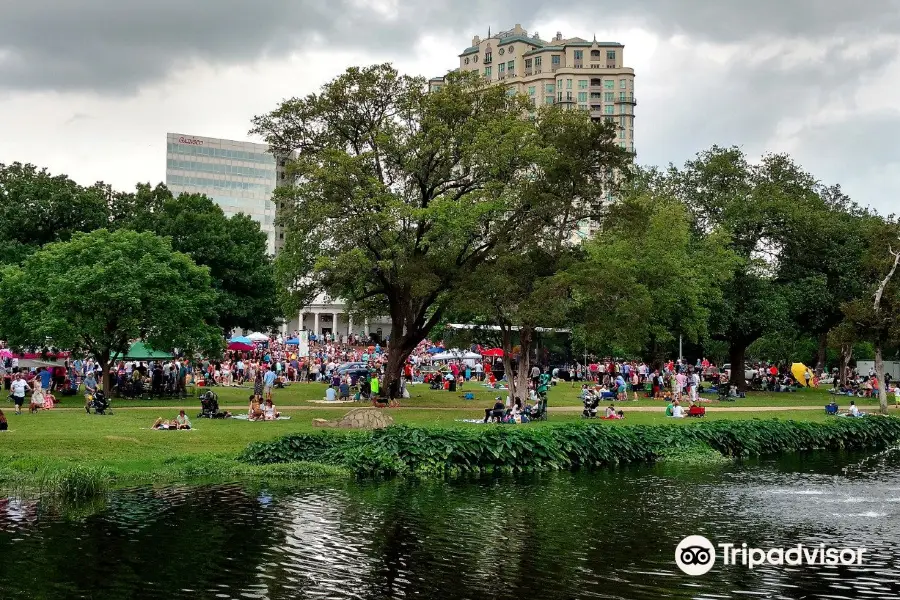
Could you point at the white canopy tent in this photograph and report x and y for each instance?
(258, 337)
(468, 358)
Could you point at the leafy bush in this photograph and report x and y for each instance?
(410, 450)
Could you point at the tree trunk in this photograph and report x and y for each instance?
(400, 351)
(736, 352)
(846, 355)
(822, 352)
(506, 344)
(104, 377)
(526, 339)
(879, 373)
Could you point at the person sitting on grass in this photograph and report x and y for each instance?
(853, 411)
(610, 412)
(344, 390)
(496, 412)
(4, 425)
(182, 421)
(269, 412)
(160, 425)
(330, 395)
(255, 412)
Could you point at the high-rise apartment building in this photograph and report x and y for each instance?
(573, 72)
(239, 176)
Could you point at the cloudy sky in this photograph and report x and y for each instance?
(90, 87)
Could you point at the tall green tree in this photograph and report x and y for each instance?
(650, 277)
(876, 315)
(400, 193)
(38, 208)
(234, 249)
(761, 208)
(99, 291)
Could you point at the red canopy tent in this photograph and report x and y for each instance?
(492, 352)
(241, 347)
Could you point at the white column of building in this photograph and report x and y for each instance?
(349, 325)
(334, 325)
(300, 321)
(367, 327)
(316, 322)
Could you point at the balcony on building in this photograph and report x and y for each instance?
(629, 100)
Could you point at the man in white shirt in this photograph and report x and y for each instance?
(695, 386)
(677, 411)
(17, 389)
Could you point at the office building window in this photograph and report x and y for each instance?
(621, 134)
(608, 96)
(621, 95)
(568, 84)
(631, 134)
(610, 55)
(537, 61)
(582, 84)
(582, 96)
(527, 63)
(579, 55)
(548, 100)
(623, 84)
(531, 90)
(622, 121)
(554, 60)
(501, 69)
(487, 72)
(608, 109)
(549, 88)
(511, 65)
(609, 84)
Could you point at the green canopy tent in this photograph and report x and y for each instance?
(140, 351)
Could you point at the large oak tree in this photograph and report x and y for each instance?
(400, 193)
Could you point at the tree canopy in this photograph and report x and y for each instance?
(400, 193)
(99, 291)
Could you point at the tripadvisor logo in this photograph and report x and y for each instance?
(696, 555)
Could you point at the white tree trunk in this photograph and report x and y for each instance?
(879, 362)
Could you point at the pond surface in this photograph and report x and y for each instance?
(609, 534)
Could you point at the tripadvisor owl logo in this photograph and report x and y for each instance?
(695, 555)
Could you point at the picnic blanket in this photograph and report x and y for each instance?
(470, 421)
(246, 417)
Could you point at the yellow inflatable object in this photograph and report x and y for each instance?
(799, 371)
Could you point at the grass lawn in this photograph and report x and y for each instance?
(125, 444)
(422, 396)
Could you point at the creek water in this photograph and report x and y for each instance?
(605, 534)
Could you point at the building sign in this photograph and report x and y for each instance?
(190, 141)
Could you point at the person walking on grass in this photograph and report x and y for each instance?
(17, 389)
(269, 380)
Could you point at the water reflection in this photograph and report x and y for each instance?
(609, 534)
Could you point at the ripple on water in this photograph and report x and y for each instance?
(608, 534)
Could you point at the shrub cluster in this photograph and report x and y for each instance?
(403, 449)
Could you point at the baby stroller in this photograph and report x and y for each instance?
(591, 402)
(98, 402)
(209, 407)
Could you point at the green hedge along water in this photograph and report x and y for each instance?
(402, 449)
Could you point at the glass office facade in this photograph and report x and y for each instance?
(239, 176)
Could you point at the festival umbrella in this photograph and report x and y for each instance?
(798, 370)
(239, 339)
(292, 342)
(241, 347)
(435, 350)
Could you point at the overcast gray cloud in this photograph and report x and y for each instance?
(816, 78)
